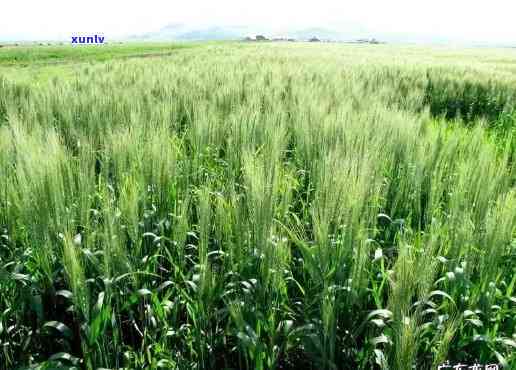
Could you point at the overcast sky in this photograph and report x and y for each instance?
(467, 20)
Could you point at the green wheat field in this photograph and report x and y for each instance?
(257, 206)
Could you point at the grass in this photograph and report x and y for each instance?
(40, 64)
(29, 55)
(264, 206)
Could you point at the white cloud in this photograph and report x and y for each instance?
(460, 19)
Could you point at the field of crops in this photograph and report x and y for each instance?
(258, 206)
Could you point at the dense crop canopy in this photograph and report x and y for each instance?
(260, 206)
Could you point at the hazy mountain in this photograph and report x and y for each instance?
(212, 33)
(347, 31)
(186, 33)
(321, 33)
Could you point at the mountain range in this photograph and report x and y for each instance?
(344, 31)
(181, 32)
(348, 31)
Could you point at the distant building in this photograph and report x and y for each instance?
(372, 41)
